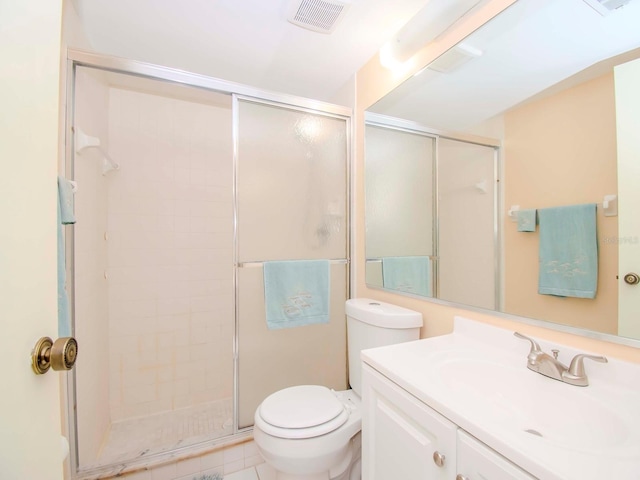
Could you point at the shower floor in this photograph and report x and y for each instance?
(134, 438)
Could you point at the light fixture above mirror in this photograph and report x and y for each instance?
(427, 25)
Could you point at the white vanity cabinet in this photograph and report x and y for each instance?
(470, 396)
(476, 461)
(402, 437)
(405, 439)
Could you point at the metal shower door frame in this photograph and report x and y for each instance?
(79, 58)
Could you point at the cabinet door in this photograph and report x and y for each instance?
(476, 461)
(401, 435)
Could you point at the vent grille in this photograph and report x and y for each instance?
(317, 15)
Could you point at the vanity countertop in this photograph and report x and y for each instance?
(477, 377)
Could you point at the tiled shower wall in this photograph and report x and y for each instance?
(170, 250)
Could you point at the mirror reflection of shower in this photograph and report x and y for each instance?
(84, 141)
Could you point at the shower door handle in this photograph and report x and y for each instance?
(59, 355)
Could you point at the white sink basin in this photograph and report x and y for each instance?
(545, 409)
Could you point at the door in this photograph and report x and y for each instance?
(402, 437)
(291, 205)
(627, 77)
(29, 94)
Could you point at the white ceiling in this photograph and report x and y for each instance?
(529, 48)
(245, 41)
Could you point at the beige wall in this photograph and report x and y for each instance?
(373, 82)
(561, 150)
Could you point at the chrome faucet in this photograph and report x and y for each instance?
(550, 366)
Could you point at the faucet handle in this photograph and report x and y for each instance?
(576, 368)
(535, 348)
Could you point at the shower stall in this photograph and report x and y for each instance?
(186, 186)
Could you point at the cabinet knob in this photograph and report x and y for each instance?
(438, 459)
(461, 477)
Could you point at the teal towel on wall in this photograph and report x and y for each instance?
(65, 196)
(407, 274)
(65, 217)
(527, 220)
(296, 293)
(568, 251)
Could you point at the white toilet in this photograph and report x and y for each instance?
(313, 433)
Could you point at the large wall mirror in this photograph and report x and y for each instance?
(538, 109)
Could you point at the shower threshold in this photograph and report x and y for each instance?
(139, 437)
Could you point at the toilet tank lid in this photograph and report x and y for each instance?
(382, 314)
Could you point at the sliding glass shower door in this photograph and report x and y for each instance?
(183, 194)
(153, 266)
(292, 205)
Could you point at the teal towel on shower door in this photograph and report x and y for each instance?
(65, 217)
(296, 293)
(568, 251)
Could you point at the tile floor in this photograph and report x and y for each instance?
(259, 472)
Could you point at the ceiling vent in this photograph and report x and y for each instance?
(317, 15)
(605, 7)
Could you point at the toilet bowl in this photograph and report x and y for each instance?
(310, 432)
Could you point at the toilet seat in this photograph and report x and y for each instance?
(304, 411)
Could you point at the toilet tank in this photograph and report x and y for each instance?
(374, 324)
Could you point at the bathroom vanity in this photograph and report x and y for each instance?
(466, 406)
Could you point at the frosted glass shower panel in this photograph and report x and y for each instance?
(467, 223)
(292, 205)
(153, 268)
(292, 183)
(399, 197)
(270, 360)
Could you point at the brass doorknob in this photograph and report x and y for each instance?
(632, 278)
(59, 355)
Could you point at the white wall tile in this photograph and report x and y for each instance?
(169, 235)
